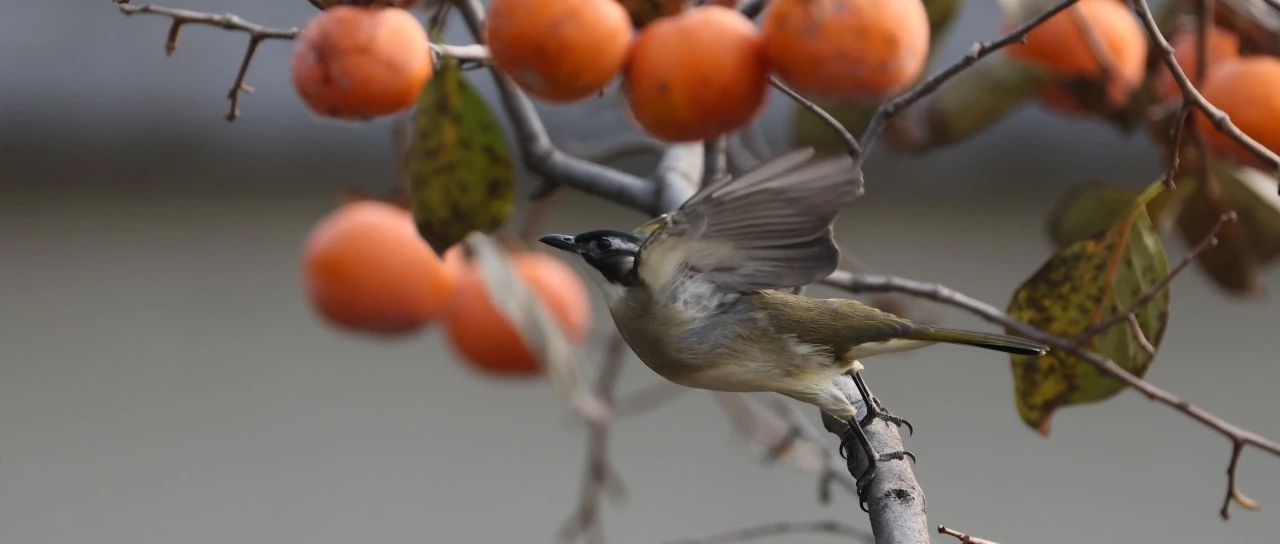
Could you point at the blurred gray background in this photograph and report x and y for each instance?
(163, 380)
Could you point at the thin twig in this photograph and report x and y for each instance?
(179, 17)
(599, 476)
(858, 283)
(828, 527)
(1209, 241)
(1233, 493)
(647, 398)
(964, 538)
(1219, 118)
(850, 143)
(713, 159)
(979, 50)
(1180, 121)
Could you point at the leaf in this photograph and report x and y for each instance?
(1086, 210)
(535, 325)
(1090, 208)
(1082, 286)
(459, 170)
(975, 100)
(1231, 264)
(1252, 194)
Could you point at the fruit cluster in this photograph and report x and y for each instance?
(367, 270)
(688, 74)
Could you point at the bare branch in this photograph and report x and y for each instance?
(963, 537)
(828, 527)
(1219, 118)
(1233, 492)
(979, 50)
(1175, 148)
(714, 160)
(859, 283)
(647, 398)
(180, 17)
(599, 476)
(543, 158)
(850, 143)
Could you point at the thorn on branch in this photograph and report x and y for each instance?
(963, 537)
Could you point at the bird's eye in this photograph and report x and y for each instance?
(603, 244)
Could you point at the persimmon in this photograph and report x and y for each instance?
(1063, 45)
(1246, 90)
(366, 269)
(847, 49)
(353, 62)
(559, 50)
(696, 75)
(1224, 46)
(488, 341)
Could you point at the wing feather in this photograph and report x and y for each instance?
(774, 223)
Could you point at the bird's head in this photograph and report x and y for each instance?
(611, 252)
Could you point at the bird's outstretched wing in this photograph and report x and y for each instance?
(769, 228)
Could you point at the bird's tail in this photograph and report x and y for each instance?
(998, 342)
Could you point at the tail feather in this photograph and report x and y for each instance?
(998, 342)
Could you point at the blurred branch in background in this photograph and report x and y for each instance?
(783, 528)
(600, 480)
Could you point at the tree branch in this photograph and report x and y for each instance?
(963, 537)
(180, 17)
(979, 50)
(599, 477)
(544, 159)
(1219, 118)
(1239, 437)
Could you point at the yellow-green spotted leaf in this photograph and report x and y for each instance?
(460, 173)
(1084, 285)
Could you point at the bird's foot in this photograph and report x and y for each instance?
(875, 411)
(853, 433)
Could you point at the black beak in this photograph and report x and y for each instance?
(560, 241)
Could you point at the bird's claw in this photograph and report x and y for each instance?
(863, 478)
(875, 411)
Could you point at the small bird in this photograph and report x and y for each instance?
(702, 295)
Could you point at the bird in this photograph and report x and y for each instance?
(704, 295)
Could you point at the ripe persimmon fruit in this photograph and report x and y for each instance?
(1062, 45)
(559, 50)
(366, 269)
(847, 49)
(352, 62)
(696, 75)
(1248, 91)
(1224, 47)
(488, 341)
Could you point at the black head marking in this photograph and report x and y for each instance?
(615, 254)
